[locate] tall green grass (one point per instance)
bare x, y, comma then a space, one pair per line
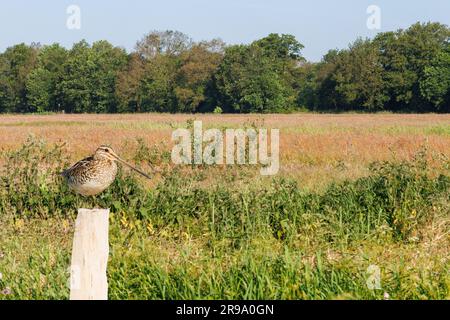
395, 196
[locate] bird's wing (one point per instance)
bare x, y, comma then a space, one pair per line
80, 165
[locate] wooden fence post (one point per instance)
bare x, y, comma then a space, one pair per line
90, 252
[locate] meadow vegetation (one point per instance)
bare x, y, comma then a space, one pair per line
190, 235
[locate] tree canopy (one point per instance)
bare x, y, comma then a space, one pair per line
403, 70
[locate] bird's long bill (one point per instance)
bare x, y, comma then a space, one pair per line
135, 169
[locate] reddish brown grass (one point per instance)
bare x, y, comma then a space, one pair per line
314, 148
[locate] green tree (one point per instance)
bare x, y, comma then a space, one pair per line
435, 84
306, 85
194, 76
16, 63
284, 47
405, 54
168, 42
75, 86
129, 83
39, 90
352, 79
158, 85
89, 80
325, 83
259, 77
168, 72
42, 94
287, 61
6, 103
108, 60
246, 81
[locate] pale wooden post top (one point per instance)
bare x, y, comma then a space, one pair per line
90, 252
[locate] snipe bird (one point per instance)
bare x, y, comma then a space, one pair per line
95, 174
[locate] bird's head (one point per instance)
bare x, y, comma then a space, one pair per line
108, 153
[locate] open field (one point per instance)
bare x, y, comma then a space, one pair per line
314, 149
311, 232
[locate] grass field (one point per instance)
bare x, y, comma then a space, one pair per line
353, 191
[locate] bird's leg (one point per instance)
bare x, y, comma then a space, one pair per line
81, 202
94, 201
78, 201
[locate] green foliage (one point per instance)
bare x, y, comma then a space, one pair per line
194, 76
88, 82
435, 85
218, 110
158, 85
405, 55
16, 63
129, 91
386, 73
259, 77
32, 187
248, 81
352, 79
175, 78
284, 46
181, 241
41, 85
403, 70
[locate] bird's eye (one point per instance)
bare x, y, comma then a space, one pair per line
107, 150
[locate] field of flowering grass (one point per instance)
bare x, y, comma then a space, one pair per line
314, 148
355, 193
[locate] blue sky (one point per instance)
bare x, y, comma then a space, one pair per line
318, 24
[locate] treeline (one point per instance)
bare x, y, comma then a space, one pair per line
405, 70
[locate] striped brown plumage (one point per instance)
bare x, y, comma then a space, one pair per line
96, 173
